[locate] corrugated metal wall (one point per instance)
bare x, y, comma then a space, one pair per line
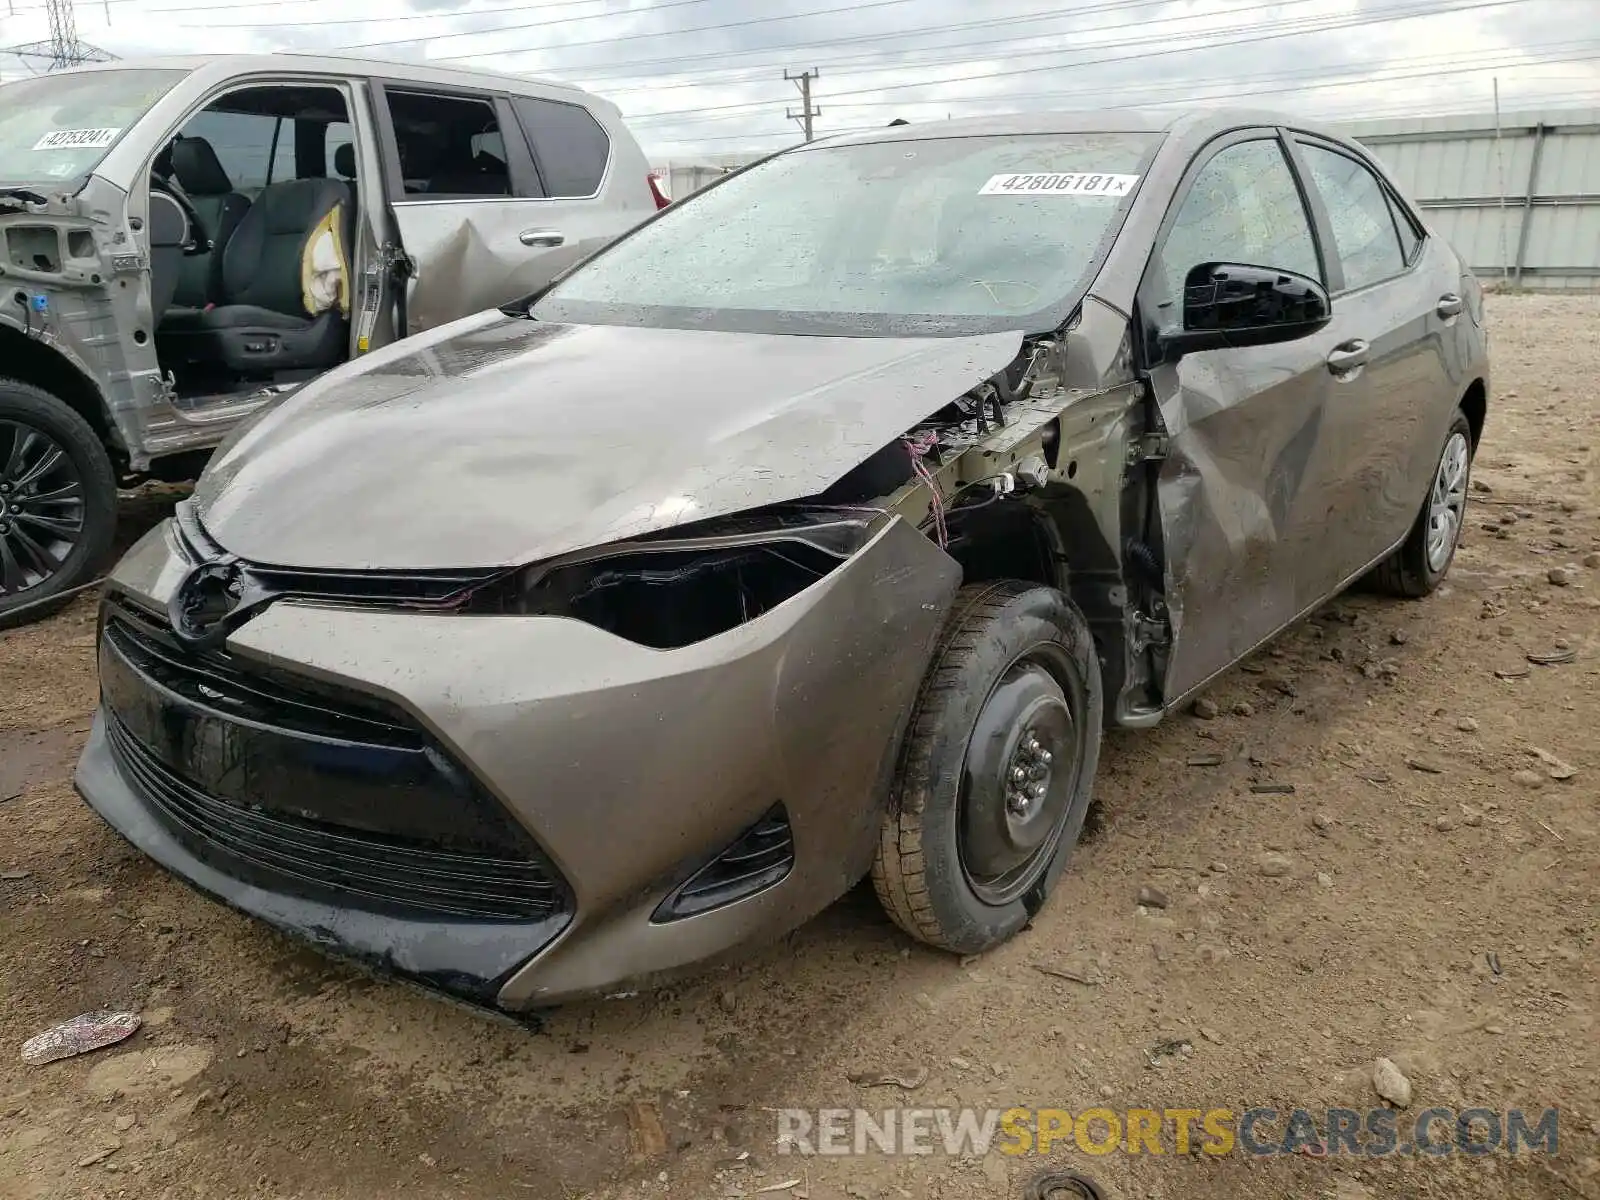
1523, 206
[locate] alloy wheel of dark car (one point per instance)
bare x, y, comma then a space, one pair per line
57, 500
996, 771
41, 506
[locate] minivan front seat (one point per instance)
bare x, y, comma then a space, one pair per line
261, 326
199, 171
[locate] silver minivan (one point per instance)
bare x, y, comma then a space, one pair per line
183, 239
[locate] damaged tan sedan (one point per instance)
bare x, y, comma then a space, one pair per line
814, 529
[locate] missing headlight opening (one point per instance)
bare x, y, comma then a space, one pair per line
672, 598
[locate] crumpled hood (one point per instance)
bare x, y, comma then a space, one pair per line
497, 441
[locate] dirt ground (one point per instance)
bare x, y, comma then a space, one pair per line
1435, 903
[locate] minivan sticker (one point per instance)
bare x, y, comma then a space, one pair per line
1059, 183
77, 139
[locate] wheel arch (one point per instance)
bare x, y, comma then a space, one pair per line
1054, 540
28, 360
1475, 404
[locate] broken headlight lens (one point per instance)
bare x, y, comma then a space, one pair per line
672, 591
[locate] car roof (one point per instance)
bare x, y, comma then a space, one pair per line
228, 64
1106, 120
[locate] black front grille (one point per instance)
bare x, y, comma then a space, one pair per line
308, 789
428, 589
372, 872
759, 858
215, 678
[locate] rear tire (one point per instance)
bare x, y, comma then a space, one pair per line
1011, 703
1424, 558
58, 502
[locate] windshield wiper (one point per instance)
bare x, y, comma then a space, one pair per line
25, 194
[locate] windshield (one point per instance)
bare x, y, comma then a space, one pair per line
57, 127
943, 236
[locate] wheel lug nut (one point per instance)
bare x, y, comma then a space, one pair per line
1037, 791
1045, 757
1018, 774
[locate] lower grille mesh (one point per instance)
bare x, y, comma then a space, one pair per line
368, 870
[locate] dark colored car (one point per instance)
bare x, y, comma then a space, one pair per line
813, 529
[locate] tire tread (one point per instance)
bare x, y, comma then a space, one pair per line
898, 869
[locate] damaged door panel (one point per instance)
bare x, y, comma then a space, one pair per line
1243, 426
478, 228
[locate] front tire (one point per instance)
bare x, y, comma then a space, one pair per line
1421, 562
997, 768
58, 502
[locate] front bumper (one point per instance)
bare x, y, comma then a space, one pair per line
621, 770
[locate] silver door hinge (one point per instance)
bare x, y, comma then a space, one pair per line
1149, 447
1149, 631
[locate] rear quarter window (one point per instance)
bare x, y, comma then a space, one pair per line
569, 145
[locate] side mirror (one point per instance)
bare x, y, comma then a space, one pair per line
1233, 304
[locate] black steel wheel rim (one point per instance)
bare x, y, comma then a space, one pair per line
42, 507
1022, 768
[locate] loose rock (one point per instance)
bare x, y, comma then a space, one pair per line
1445, 824
728, 1000
1274, 865
1467, 725
1219, 867
1205, 708
1243, 708
1426, 765
1592, 559
1559, 576
1321, 822
1152, 897
1324, 879
1554, 767
1399, 637
1527, 778
1390, 1084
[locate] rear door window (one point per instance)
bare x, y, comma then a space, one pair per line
569, 145
449, 145
1364, 230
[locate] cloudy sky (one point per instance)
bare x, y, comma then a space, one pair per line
707, 76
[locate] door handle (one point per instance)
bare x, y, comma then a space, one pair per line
1449, 305
541, 237
1347, 356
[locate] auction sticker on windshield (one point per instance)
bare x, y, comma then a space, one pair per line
1059, 183
77, 139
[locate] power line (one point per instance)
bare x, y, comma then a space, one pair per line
788, 48
455, 14
65, 48
1364, 112
626, 37
1353, 76
887, 60
1186, 48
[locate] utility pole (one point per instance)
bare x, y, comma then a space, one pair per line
806, 113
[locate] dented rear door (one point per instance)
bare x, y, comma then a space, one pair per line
474, 225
